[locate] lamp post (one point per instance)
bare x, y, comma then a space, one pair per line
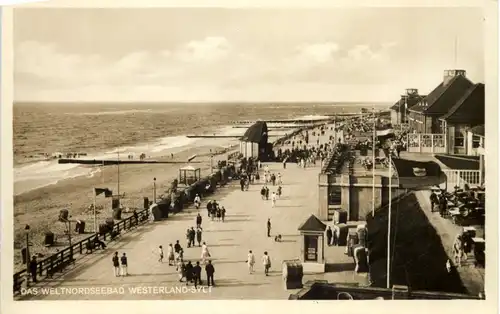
211, 164
27, 232
154, 190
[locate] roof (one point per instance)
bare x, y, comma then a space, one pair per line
312, 224
410, 102
189, 168
478, 130
459, 162
439, 101
255, 133
469, 109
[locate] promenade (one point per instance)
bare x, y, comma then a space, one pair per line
228, 243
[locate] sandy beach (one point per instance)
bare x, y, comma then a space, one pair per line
40, 208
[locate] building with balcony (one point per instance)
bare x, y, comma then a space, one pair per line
424, 116
467, 113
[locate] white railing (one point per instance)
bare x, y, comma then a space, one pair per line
426, 143
462, 177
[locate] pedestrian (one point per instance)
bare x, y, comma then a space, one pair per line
189, 273
273, 199
269, 227
223, 213
205, 254
160, 252
263, 192
279, 191
177, 247
198, 221
279, 179
219, 214
116, 264
197, 274
210, 270
124, 265
197, 201
250, 261
171, 257
136, 217
188, 237
181, 270
335, 237
273, 179
242, 183
33, 265
267, 193
284, 163
266, 261
434, 200
198, 236
329, 236
209, 208
192, 236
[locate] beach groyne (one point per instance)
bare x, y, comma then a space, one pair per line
108, 162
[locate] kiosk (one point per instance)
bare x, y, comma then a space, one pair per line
189, 175
312, 245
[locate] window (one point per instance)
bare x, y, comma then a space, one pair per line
459, 138
334, 195
476, 141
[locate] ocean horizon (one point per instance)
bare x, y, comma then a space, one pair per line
104, 130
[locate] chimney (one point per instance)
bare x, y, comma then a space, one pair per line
450, 74
411, 92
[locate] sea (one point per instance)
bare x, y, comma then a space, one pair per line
104, 131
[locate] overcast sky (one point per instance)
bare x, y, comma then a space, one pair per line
173, 54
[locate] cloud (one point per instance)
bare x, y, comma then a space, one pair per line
206, 67
320, 52
209, 49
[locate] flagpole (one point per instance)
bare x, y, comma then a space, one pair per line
373, 164
95, 214
118, 170
389, 224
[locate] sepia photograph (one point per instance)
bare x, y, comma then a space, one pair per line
223, 153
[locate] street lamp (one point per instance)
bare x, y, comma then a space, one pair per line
27, 232
154, 190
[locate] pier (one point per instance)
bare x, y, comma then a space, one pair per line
109, 162
212, 136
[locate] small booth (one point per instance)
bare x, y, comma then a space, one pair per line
189, 175
313, 245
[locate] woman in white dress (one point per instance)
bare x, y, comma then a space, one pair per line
205, 254
170, 254
250, 261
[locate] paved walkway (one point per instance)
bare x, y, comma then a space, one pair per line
472, 277
228, 242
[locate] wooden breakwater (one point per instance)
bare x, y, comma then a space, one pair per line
108, 162
212, 136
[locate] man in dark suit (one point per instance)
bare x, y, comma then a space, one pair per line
198, 221
210, 273
33, 264
189, 273
197, 274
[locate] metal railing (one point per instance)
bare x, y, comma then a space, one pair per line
60, 260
